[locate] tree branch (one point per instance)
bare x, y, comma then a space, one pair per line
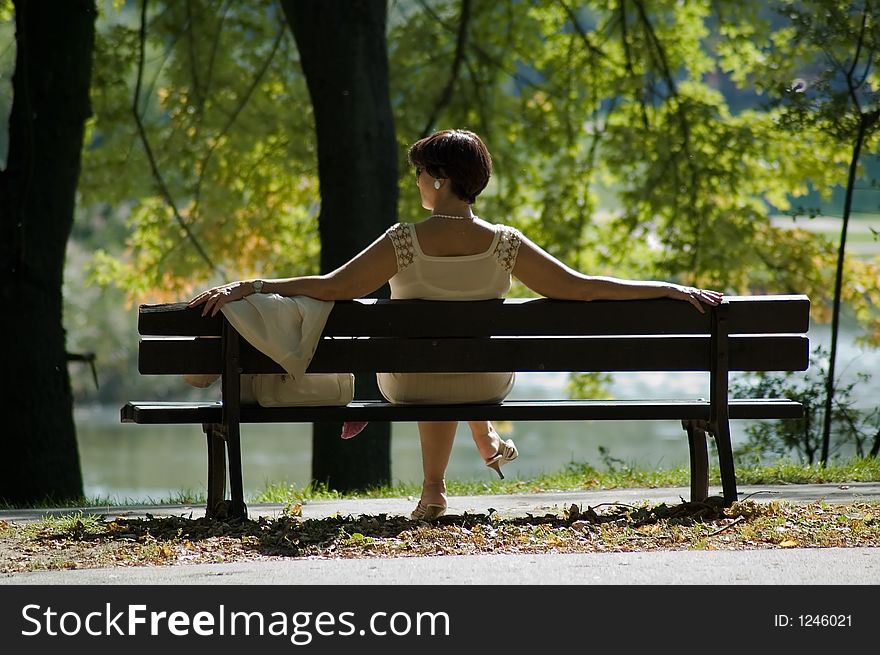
193, 63
460, 45
215, 45
624, 37
157, 176
489, 58
235, 113
478, 87
580, 30
867, 70
682, 119
852, 69
855, 431
861, 40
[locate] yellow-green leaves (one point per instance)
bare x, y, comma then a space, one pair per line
221, 168
633, 138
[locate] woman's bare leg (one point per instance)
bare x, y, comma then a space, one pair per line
485, 437
494, 451
436, 439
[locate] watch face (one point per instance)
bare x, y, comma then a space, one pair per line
258, 285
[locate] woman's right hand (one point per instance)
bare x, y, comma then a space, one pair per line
695, 296
214, 298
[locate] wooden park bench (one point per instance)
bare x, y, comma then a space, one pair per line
744, 333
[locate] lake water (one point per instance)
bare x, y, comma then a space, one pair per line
142, 462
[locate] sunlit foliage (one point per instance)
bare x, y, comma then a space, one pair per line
636, 137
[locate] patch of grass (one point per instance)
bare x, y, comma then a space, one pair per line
51, 502
574, 477
75, 523
854, 470
286, 492
581, 477
182, 497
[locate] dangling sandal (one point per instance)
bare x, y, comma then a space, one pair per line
507, 452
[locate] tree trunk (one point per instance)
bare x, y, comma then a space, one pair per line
838, 287
343, 55
54, 42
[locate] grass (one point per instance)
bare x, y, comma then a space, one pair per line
182, 497
575, 477
854, 470
583, 477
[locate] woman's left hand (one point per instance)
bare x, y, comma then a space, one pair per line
695, 296
214, 299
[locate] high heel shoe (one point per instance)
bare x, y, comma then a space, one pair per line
507, 452
427, 512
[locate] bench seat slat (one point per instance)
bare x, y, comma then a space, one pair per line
514, 410
747, 353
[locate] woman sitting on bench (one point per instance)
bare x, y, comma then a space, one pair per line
452, 255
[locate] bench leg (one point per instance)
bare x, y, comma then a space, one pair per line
725, 461
233, 447
696, 432
216, 505
230, 391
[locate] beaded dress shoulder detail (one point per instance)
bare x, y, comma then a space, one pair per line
401, 237
507, 247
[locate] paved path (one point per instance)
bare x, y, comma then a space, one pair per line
851, 566
802, 566
506, 505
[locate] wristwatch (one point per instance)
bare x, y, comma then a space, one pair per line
258, 286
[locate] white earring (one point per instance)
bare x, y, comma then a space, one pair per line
437, 184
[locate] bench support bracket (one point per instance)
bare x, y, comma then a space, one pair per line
231, 393
719, 409
216, 436
699, 454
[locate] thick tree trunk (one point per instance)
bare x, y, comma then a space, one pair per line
37, 193
343, 54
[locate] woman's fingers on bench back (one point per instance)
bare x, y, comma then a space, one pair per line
213, 299
697, 297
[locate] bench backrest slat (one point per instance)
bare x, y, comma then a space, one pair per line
691, 353
503, 335
514, 317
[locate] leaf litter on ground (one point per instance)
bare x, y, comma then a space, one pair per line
94, 541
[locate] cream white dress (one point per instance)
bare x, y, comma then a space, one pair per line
482, 276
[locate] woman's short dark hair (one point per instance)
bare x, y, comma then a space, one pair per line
456, 155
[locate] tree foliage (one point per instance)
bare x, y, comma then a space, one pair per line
856, 431
203, 128
836, 44
820, 72
636, 138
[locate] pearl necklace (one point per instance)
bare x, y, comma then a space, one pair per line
458, 218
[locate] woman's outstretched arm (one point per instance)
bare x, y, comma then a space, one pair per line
543, 273
361, 275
